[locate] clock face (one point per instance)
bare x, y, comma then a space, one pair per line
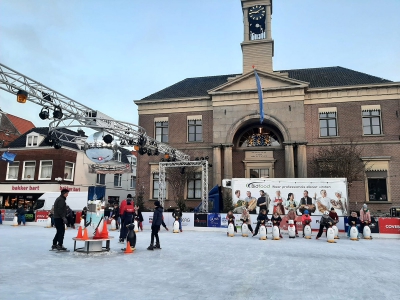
257, 12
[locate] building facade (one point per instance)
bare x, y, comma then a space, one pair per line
305, 110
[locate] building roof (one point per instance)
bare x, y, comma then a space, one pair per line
20, 142
20, 124
317, 77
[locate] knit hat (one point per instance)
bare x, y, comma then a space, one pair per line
306, 212
332, 208
365, 206
129, 196
157, 203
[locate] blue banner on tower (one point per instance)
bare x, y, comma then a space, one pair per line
260, 96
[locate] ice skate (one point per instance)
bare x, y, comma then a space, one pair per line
157, 246
151, 247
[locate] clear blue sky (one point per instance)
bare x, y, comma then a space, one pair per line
107, 53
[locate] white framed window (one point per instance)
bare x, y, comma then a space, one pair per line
12, 170
161, 129
371, 119
195, 128
155, 185
28, 172
194, 187
101, 179
117, 180
132, 182
46, 169
327, 122
133, 160
69, 171
32, 140
119, 156
377, 179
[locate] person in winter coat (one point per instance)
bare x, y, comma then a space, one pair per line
353, 220
334, 215
276, 221
305, 219
126, 212
60, 211
292, 216
325, 221
115, 215
51, 215
365, 217
155, 225
139, 217
231, 220
177, 214
83, 214
262, 219
245, 218
70, 218
21, 214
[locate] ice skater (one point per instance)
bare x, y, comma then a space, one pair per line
115, 215
139, 217
245, 218
126, 214
365, 218
305, 219
60, 220
292, 216
155, 225
334, 215
326, 221
177, 214
262, 219
276, 221
353, 220
20, 213
231, 220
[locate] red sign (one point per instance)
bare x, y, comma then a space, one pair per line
389, 225
2, 211
41, 215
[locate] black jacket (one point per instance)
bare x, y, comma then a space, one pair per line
261, 217
157, 216
115, 213
60, 207
138, 216
177, 214
351, 219
21, 211
326, 220
276, 221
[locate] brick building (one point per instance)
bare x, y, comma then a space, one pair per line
305, 109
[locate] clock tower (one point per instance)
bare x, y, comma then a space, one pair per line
258, 45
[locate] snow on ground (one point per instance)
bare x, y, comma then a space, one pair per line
198, 265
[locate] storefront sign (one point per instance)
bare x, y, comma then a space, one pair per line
389, 225
70, 188
25, 188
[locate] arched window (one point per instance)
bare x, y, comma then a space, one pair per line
258, 137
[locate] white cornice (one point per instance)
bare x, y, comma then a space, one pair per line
138, 102
352, 87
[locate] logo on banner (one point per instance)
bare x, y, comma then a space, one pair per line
214, 220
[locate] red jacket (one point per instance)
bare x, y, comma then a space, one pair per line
304, 218
334, 215
126, 208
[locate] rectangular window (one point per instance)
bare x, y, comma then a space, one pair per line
118, 180
101, 179
119, 156
194, 187
29, 170
371, 121
12, 170
377, 186
155, 185
161, 131
69, 170
259, 173
327, 124
32, 141
46, 169
133, 182
195, 131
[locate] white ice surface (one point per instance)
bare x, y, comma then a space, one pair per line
198, 265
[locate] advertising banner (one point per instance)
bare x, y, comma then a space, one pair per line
200, 220
389, 225
41, 215
314, 194
3, 212
9, 214
214, 220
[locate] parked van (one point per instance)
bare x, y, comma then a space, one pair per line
75, 200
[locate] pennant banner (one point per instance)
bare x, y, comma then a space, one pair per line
260, 96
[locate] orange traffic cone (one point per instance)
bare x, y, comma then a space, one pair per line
104, 232
97, 235
128, 248
85, 235
79, 236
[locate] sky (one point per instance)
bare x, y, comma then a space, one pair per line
107, 53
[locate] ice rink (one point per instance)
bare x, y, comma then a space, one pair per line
198, 265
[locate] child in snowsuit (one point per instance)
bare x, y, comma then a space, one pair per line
292, 216
305, 219
262, 219
20, 214
231, 220
245, 218
326, 221
334, 215
115, 215
177, 214
365, 217
276, 221
139, 217
353, 220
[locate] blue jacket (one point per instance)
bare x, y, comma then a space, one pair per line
157, 216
